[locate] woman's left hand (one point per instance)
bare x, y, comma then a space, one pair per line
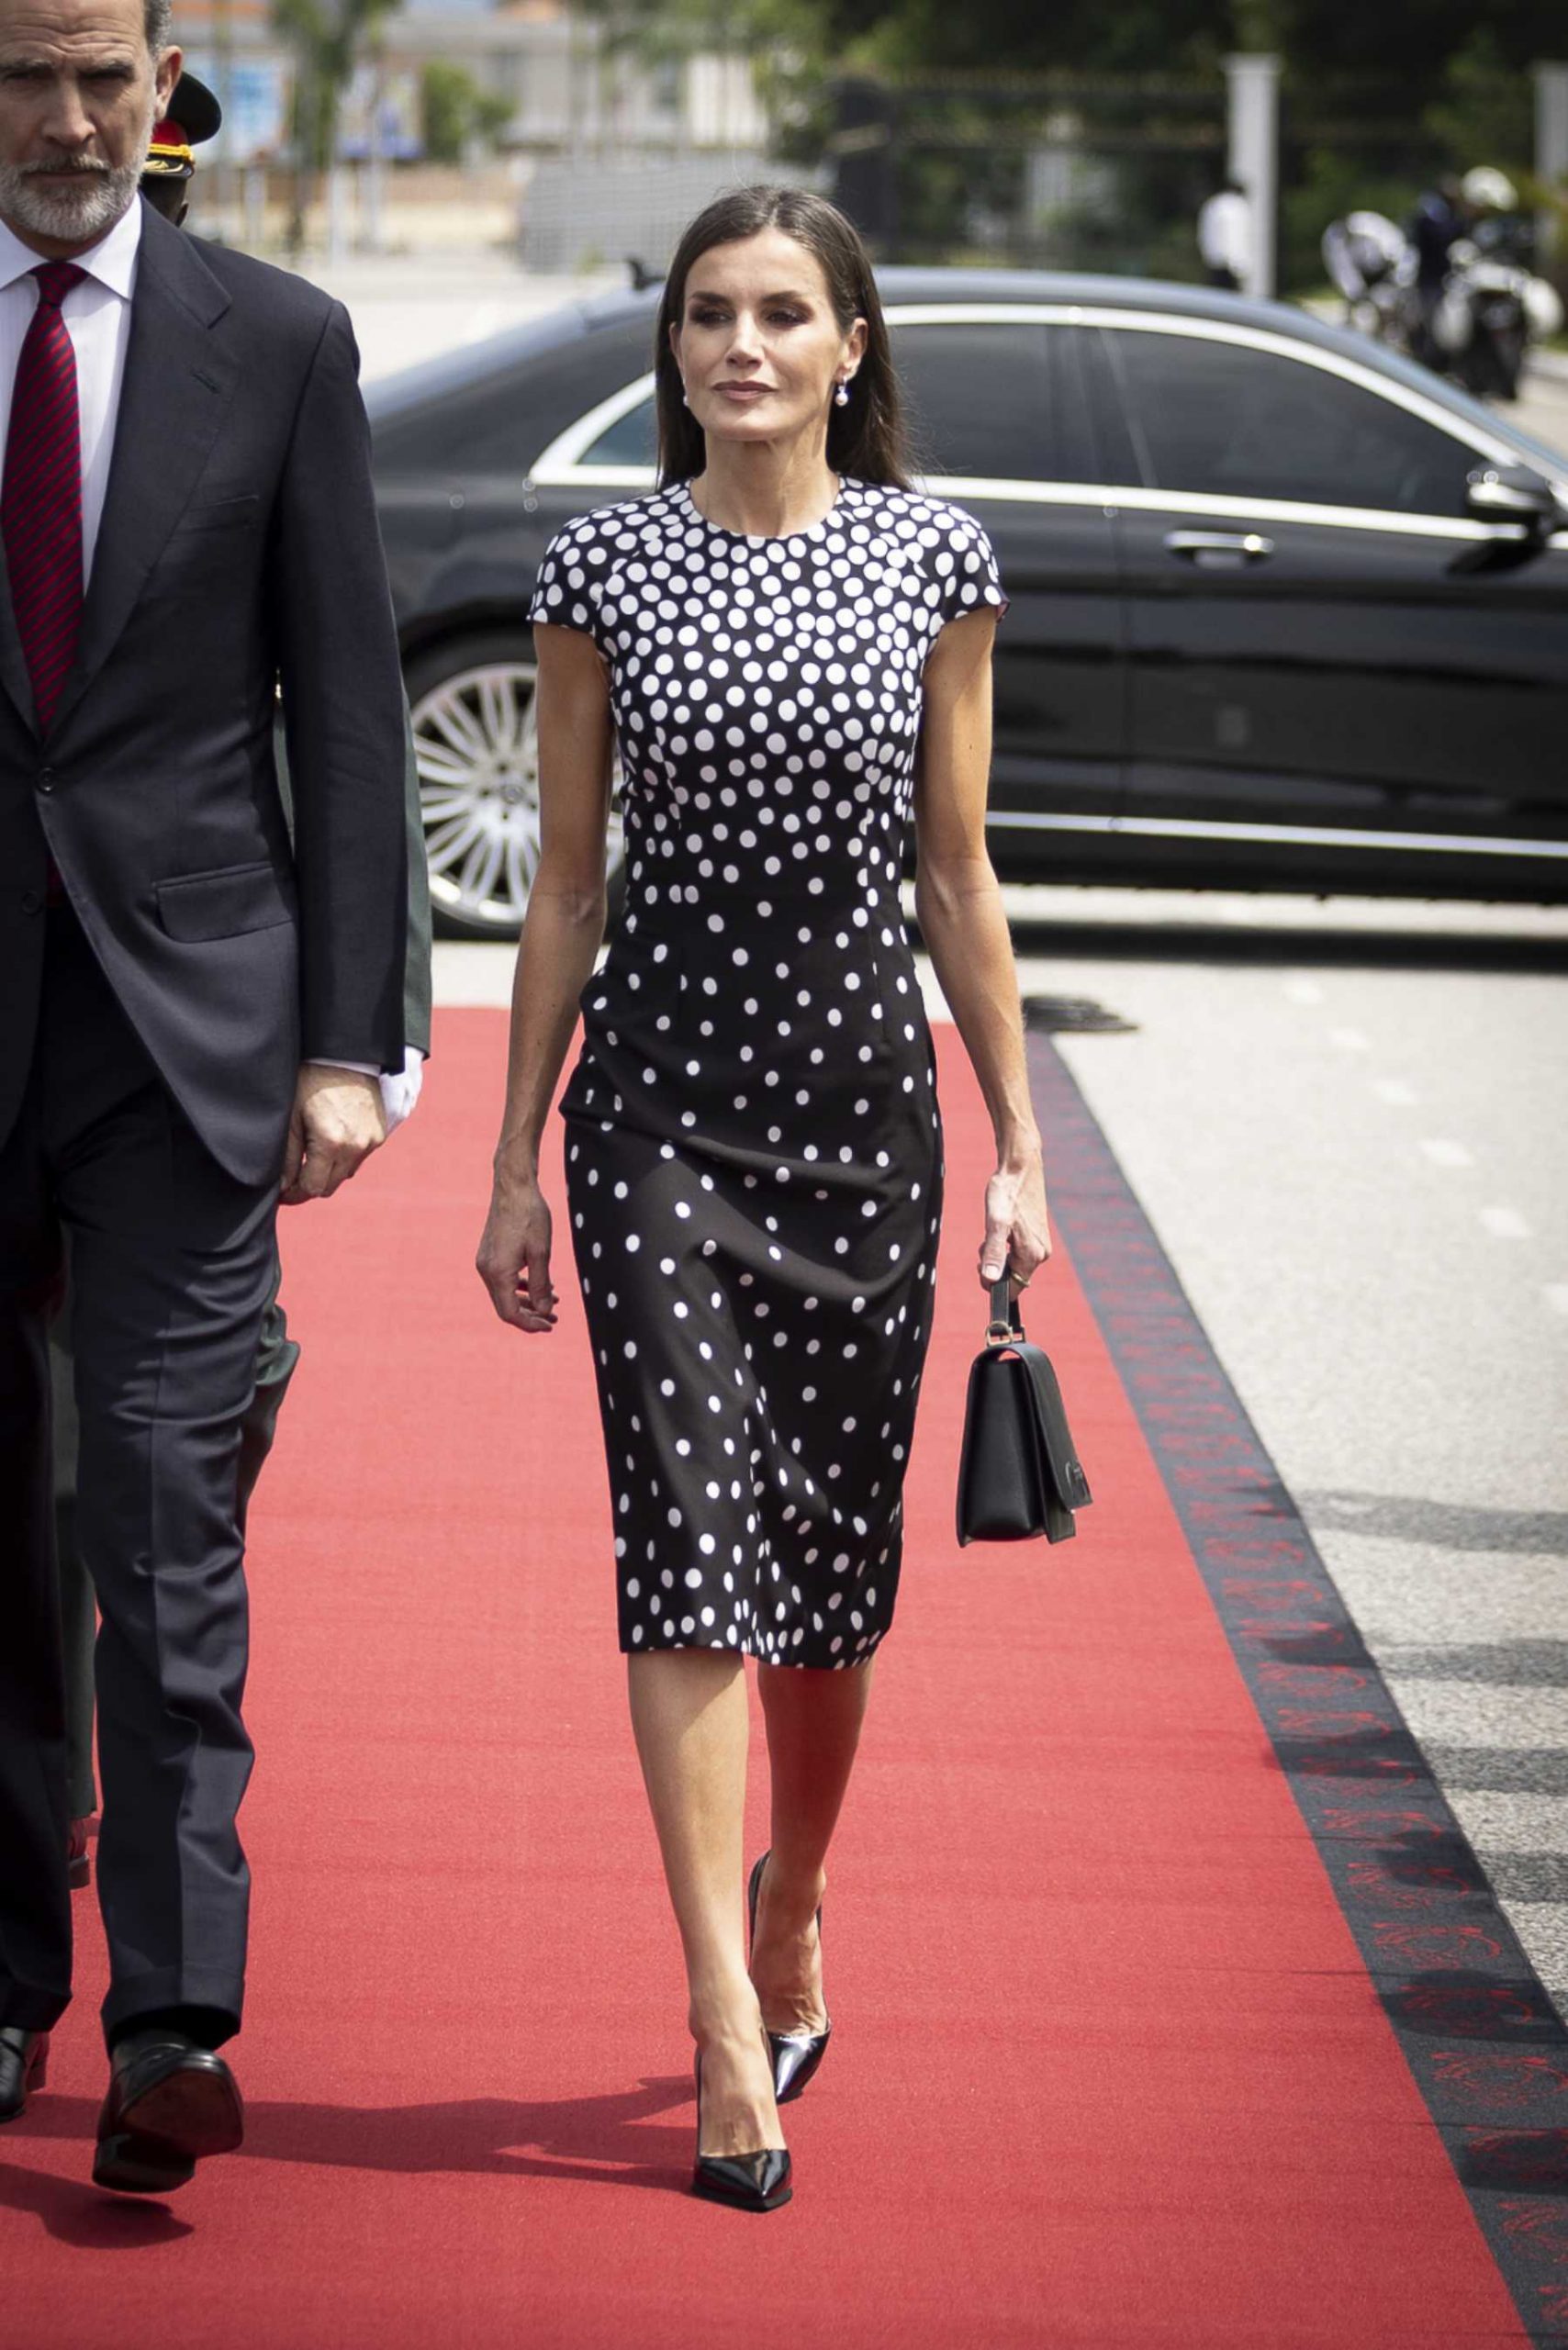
1017, 1226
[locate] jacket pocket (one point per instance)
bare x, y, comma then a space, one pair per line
226, 904
223, 513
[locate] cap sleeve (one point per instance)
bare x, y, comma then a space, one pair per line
968, 576
565, 593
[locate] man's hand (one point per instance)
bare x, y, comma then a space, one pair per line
337, 1122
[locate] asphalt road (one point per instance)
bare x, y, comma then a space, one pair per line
1346, 1122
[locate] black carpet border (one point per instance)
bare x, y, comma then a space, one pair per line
1487, 2048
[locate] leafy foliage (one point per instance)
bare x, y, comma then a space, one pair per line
325, 36
458, 113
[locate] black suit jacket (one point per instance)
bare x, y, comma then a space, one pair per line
239, 551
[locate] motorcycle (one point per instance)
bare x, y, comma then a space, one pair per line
1485, 317
1370, 262
1488, 311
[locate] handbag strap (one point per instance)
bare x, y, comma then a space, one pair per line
1006, 1321
1005, 1329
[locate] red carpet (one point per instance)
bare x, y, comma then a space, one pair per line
1108, 2072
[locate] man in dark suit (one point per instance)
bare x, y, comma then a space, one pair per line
194, 118
194, 1008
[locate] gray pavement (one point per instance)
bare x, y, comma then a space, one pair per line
1542, 405
408, 307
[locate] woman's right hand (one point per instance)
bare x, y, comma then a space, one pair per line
514, 1253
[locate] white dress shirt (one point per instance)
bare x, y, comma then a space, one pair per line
97, 319
1225, 232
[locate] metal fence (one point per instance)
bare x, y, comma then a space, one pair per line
1056, 170
1029, 169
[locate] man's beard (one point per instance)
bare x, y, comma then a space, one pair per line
76, 215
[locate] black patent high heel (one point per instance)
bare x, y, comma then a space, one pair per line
796, 2054
758, 2182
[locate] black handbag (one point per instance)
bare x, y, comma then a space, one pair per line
1019, 1474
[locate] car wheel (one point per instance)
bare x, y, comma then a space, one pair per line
471, 703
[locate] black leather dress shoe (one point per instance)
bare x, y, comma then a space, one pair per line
24, 2066
795, 2054
170, 2102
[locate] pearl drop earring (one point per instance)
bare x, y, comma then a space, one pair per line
684, 401
841, 397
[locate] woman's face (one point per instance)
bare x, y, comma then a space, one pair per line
757, 344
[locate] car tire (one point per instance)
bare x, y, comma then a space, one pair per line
471, 705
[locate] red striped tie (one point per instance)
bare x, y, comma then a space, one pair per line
40, 494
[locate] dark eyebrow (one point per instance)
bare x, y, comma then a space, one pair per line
787, 295
13, 65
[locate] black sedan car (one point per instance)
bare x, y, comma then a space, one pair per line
1288, 611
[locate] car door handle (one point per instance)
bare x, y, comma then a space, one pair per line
1245, 546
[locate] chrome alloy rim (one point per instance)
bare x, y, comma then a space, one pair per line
477, 745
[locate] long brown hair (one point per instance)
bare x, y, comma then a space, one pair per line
865, 440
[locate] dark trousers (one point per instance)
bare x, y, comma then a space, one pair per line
78, 1611
172, 1263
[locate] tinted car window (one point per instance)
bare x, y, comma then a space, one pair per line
1222, 419
632, 440
976, 397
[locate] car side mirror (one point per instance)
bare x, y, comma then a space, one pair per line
1513, 494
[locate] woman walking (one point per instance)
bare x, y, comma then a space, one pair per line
792, 650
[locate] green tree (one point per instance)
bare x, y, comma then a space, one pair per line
1485, 114
325, 36
456, 112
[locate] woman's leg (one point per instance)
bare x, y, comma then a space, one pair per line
689, 1717
813, 1729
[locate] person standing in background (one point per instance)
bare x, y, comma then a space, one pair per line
194, 118
1438, 222
1225, 236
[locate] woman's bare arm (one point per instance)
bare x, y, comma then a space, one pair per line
958, 907
560, 939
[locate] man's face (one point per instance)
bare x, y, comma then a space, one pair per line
80, 91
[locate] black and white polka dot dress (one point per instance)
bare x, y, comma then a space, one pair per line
753, 1157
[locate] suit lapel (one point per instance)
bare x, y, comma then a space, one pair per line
175, 391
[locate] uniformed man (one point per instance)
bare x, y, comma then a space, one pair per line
194, 116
